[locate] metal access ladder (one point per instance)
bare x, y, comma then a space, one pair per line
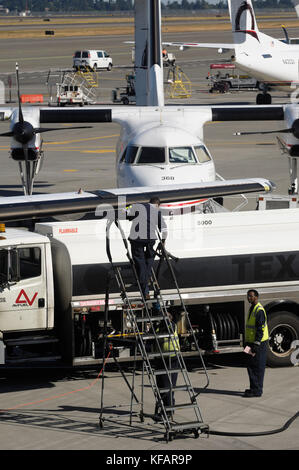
86, 80
143, 315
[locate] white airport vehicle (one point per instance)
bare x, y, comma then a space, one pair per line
53, 280
272, 61
92, 60
69, 95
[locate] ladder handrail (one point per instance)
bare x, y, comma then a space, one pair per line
166, 256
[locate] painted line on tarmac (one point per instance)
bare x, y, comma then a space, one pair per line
211, 143
98, 151
80, 150
65, 142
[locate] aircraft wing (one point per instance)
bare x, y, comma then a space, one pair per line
125, 113
210, 45
46, 205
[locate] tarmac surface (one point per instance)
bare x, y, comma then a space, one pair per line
59, 410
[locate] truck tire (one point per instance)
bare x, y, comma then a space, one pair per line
283, 330
109, 67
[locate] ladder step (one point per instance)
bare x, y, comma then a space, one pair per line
156, 355
147, 319
191, 425
164, 371
177, 388
183, 405
158, 336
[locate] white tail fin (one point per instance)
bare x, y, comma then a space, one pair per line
148, 53
296, 5
246, 34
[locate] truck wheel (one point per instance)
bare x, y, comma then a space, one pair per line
283, 330
109, 67
226, 87
125, 101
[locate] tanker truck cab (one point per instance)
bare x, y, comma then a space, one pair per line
26, 285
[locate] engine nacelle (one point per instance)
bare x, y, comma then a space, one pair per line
18, 154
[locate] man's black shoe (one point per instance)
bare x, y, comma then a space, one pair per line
251, 394
157, 418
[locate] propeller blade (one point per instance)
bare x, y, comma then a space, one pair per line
7, 134
40, 130
21, 118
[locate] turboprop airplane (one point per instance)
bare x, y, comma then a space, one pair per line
158, 144
272, 61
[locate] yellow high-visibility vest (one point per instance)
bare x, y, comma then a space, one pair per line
170, 343
250, 328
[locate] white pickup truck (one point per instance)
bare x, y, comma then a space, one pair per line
224, 79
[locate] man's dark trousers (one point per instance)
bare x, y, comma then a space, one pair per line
256, 368
143, 255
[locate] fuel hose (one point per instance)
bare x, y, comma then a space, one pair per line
262, 433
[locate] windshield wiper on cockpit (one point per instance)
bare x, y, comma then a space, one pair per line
152, 164
181, 164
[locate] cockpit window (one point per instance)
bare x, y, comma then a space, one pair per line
151, 155
129, 154
181, 155
202, 154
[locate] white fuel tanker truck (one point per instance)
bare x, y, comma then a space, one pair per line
53, 282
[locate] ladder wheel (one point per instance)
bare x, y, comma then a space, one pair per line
168, 436
101, 424
196, 434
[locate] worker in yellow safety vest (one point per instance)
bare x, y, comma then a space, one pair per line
168, 344
256, 340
